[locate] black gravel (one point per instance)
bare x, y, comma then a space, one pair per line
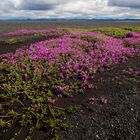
119, 119
22, 42
18, 25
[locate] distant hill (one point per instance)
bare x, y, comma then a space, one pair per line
72, 19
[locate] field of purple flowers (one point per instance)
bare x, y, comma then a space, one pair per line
34, 77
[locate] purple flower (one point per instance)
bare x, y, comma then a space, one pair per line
34, 106
104, 101
70, 61
92, 99
22, 65
52, 101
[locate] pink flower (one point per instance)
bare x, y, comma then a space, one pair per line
60, 89
34, 106
26, 75
104, 101
73, 58
39, 70
22, 65
92, 99
53, 101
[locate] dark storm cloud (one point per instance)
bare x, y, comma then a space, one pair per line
40, 4
125, 3
36, 6
32, 5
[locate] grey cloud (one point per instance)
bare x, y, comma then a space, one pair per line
39, 4
70, 9
36, 6
125, 3
6, 5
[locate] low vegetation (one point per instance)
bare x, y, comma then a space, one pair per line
33, 79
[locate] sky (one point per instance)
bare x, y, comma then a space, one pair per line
70, 9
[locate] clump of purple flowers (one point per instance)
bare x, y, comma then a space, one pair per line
133, 35
74, 58
132, 71
52, 32
65, 64
102, 100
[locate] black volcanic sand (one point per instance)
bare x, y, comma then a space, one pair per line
22, 42
18, 25
119, 119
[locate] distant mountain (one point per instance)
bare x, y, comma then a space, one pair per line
70, 19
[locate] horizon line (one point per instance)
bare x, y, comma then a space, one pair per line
57, 19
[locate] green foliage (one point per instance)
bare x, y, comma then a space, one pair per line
56, 137
73, 109
28, 91
4, 124
115, 32
133, 29
38, 34
33, 97
13, 41
93, 39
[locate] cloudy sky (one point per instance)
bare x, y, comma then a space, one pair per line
69, 9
